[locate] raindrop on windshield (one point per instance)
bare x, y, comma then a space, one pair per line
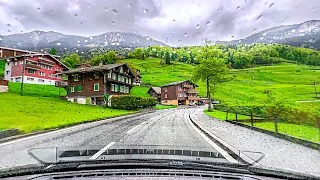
9, 30
271, 5
293, 30
198, 26
91, 38
232, 36
179, 41
185, 34
219, 10
238, 7
264, 34
115, 12
254, 29
58, 44
16, 19
208, 23
39, 9
76, 15
85, 40
145, 11
259, 17
106, 9
148, 38
173, 20
118, 34
112, 23
129, 5
9, 25
51, 11
88, 5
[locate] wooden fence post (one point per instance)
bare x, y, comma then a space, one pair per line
227, 115
276, 124
251, 119
318, 119
237, 116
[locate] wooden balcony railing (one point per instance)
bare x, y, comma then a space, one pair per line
193, 92
188, 86
193, 98
32, 66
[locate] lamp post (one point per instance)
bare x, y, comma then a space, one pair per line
22, 85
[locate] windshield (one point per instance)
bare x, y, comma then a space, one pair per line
215, 81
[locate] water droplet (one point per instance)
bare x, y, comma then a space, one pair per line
51, 11
199, 50
148, 38
198, 26
179, 41
239, 41
185, 34
78, 44
115, 12
21, 31
78, 41
9, 25
16, 19
76, 15
264, 34
112, 23
238, 7
232, 36
129, 5
254, 29
271, 5
9, 30
145, 11
173, 20
106, 9
58, 44
85, 40
81, 23
91, 38
293, 30
88, 5
259, 17
208, 23
118, 34
39, 9
65, 48
219, 10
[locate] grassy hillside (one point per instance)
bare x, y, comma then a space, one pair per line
37, 113
249, 85
37, 90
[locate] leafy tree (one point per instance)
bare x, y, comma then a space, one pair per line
210, 70
167, 58
138, 53
53, 51
112, 57
72, 60
130, 55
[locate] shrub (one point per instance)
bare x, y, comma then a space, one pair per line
132, 102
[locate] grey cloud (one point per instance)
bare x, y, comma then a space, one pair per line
84, 17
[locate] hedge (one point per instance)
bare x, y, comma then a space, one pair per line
244, 110
132, 102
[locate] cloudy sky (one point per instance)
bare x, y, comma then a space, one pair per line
172, 21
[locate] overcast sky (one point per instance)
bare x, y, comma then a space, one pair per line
169, 21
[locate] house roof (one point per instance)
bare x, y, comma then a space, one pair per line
179, 82
156, 89
39, 54
20, 50
96, 68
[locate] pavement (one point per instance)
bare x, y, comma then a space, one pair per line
168, 128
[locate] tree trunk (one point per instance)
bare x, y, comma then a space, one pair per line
208, 95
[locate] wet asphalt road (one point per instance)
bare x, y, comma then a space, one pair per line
166, 128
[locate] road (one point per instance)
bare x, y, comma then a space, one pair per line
168, 128
171, 129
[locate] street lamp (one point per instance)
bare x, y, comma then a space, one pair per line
22, 85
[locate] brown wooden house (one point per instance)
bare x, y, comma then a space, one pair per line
156, 93
179, 93
88, 85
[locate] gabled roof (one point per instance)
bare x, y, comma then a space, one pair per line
20, 50
156, 89
179, 82
97, 68
39, 54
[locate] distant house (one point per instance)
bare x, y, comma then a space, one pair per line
137, 80
179, 93
156, 93
34, 69
6, 52
88, 85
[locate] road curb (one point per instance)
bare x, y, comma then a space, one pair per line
303, 142
98, 121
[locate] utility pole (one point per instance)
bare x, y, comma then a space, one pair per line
22, 80
315, 88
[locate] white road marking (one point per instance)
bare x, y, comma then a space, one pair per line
131, 130
215, 146
96, 155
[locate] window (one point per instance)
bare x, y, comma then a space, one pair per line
76, 77
121, 69
96, 87
121, 89
117, 77
42, 73
129, 80
15, 63
30, 79
109, 74
58, 69
7, 72
50, 75
112, 87
40, 81
49, 67
116, 87
114, 77
72, 88
42, 66
79, 88
165, 95
21, 62
96, 75
30, 71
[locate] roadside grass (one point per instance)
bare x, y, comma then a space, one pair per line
300, 131
140, 91
159, 107
222, 115
37, 90
30, 114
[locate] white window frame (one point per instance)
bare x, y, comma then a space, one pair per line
40, 73
72, 88
94, 86
15, 63
114, 76
129, 80
121, 69
28, 71
112, 87
116, 87
7, 72
21, 61
109, 74
76, 77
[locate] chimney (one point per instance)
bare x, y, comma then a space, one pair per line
100, 63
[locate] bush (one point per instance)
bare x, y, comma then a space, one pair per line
244, 110
132, 102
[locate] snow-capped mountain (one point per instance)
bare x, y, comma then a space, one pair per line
306, 34
37, 40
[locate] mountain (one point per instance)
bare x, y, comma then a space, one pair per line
37, 40
306, 34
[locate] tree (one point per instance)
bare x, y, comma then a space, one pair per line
53, 51
112, 57
72, 60
211, 70
167, 58
138, 53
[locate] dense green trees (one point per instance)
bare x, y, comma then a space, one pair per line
53, 51
72, 60
107, 58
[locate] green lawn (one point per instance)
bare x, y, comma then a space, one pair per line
222, 115
159, 107
37, 90
140, 91
29, 113
299, 131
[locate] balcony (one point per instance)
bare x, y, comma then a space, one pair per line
188, 86
193, 92
32, 66
57, 71
193, 98
46, 61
